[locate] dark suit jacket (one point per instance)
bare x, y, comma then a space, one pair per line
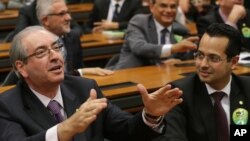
74, 59
214, 17
141, 42
24, 117
27, 17
101, 8
194, 120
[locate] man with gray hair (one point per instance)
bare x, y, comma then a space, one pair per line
55, 17
47, 105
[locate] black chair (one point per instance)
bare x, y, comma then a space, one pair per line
10, 79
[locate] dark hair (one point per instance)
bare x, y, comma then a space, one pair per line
234, 39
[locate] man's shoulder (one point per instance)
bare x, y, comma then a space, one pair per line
186, 82
11, 95
77, 80
211, 17
179, 29
101, 2
140, 19
72, 37
28, 8
242, 80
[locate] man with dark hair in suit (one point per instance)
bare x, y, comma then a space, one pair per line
47, 105
103, 13
231, 12
153, 38
195, 119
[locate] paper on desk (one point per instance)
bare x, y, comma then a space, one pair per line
243, 61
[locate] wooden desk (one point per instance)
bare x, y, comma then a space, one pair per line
8, 19
94, 46
97, 46
121, 86
4, 57
121, 89
79, 12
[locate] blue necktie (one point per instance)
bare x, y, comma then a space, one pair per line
115, 15
163, 36
220, 117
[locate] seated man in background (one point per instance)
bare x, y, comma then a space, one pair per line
27, 17
152, 38
231, 12
54, 16
214, 98
112, 14
47, 105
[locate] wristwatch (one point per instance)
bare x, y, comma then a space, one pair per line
153, 119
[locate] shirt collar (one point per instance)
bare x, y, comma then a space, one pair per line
159, 27
226, 89
120, 2
45, 100
223, 16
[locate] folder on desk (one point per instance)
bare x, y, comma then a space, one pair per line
244, 58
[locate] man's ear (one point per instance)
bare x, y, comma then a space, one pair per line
20, 66
234, 61
44, 21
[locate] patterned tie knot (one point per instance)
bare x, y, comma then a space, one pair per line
164, 31
217, 96
117, 6
54, 107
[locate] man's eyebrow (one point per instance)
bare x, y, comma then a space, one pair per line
54, 42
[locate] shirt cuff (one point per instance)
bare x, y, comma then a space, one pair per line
80, 72
51, 134
166, 50
156, 127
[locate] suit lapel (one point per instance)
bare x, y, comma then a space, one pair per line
71, 103
152, 31
238, 99
36, 110
105, 8
172, 39
205, 108
124, 10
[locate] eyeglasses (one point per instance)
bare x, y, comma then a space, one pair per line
43, 50
211, 58
61, 14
